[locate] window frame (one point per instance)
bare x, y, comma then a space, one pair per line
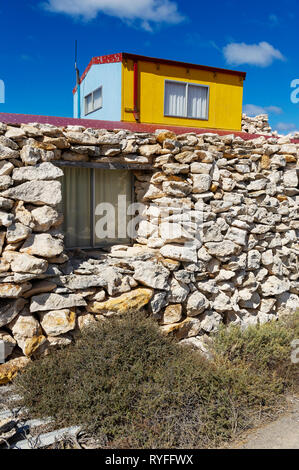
93, 245
187, 84
92, 95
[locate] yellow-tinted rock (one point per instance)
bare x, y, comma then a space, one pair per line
9, 370
282, 198
165, 134
10, 290
265, 162
86, 320
290, 158
59, 142
185, 329
172, 314
58, 322
31, 345
25, 326
133, 300
171, 264
44, 145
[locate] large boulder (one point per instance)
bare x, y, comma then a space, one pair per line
201, 183
52, 301
43, 245
210, 321
24, 263
173, 232
9, 370
237, 235
30, 155
196, 304
17, 232
107, 276
27, 332
6, 152
149, 150
222, 303
9, 290
180, 253
274, 286
36, 192
172, 314
178, 292
222, 249
185, 329
152, 274
134, 300
58, 322
290, 179
42, 171
44, 218
75, 137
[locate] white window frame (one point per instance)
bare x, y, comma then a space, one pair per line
187, 84
93, 245
93, 107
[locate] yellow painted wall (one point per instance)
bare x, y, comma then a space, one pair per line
226, 95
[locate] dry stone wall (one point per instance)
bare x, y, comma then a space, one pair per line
260, 125
257, 125
218, 242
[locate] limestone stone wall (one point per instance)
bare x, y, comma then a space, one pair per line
257, 125
218, 242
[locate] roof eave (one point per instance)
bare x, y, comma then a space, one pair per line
127, 55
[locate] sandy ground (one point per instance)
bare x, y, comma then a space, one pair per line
282, 433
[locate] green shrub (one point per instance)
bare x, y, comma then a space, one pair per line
133, 388
264, 347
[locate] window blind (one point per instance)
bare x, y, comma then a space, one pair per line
186, 100
175, 99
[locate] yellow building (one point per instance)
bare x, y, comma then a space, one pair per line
132, 88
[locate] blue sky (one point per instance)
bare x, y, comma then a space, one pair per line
37, 47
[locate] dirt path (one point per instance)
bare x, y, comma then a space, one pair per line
282, 433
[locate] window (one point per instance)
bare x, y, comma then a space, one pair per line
93, 101
86, 194
186, 100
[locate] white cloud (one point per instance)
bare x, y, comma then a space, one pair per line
262, 54
145, 11
286, 126
274, 109
254, 110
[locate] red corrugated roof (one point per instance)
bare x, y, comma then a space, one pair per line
119, 57
111, 125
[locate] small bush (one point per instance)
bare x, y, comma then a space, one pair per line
266, 348
133, 388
